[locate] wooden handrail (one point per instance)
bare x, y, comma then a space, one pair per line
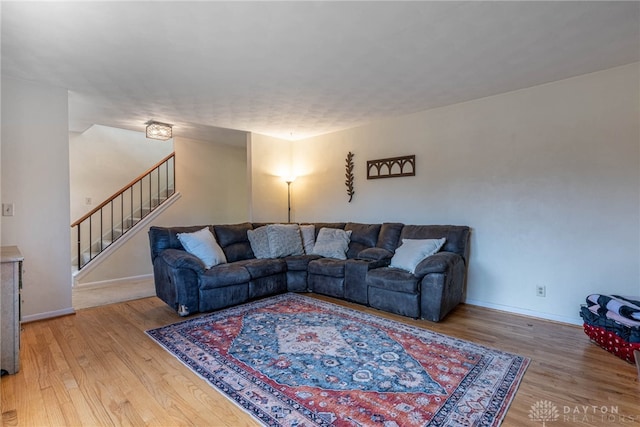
123, 189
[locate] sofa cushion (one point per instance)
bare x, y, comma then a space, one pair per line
203, 245
457, 236
224, 275
389, 235
363, 236
259, 241
299, 262
393, 279
412, 251
332, 243
375, 254
284, 240
264, 267
234, 241
327, 267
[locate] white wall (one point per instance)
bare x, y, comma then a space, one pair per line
547, 177
35, 177
211, 178
270, 162
105, 159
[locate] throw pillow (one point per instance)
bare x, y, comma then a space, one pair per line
259, 241
284, 240
203, 245
308, 233
412, 251
332, 243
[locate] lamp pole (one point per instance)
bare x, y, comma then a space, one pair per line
289, 201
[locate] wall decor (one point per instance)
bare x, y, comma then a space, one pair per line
391, 167
349, 175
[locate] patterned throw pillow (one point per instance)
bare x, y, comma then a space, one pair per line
332, 243
203, 245
259, 240
412, 251
284, 240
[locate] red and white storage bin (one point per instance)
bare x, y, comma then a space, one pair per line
613, 322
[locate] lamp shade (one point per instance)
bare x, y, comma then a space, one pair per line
157, 130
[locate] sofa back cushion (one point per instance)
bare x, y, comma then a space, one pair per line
234, 241
363, 236
457, 236
389, 238
161, 238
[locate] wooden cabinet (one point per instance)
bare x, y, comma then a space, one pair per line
10, 310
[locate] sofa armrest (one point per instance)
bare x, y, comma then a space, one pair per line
176, 278
177, 258
442, 291
375, 254
440, 262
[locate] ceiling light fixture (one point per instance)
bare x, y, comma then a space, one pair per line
157, 130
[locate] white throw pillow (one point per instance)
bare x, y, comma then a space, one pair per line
308, 233
284, 240
412, 251
203, 245
259, 241
332, 243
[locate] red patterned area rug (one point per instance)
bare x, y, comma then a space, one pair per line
292, 360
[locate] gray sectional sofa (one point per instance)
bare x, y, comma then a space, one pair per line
366, 275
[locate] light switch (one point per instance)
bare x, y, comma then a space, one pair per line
7, 209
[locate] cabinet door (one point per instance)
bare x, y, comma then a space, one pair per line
10, 312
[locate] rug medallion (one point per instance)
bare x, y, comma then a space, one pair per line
293, 360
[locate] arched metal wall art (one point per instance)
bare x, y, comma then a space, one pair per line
391, 167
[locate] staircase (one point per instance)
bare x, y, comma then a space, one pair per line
120, 213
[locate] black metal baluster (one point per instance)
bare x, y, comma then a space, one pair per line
80, 265
90, 236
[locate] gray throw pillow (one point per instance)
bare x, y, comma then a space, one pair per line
284, 240
332, 243
259, 240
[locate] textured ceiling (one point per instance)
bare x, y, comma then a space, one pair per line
298, 69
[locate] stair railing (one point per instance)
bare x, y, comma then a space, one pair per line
112, 218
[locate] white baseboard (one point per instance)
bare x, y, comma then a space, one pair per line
48, 315
111, 282
525, 312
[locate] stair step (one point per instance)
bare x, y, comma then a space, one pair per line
130, 222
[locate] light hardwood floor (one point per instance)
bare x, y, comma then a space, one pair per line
98, 367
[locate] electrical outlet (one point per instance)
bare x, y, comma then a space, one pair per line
7, 209
541, 291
